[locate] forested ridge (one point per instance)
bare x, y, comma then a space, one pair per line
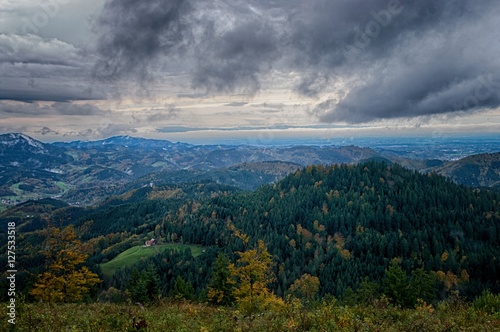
369, 229
345, 224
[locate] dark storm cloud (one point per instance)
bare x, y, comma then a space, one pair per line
134, 34
377, 59
393, 59
139, 38
428, 58
232, 60
344, 39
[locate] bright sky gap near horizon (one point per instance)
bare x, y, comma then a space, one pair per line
252, 71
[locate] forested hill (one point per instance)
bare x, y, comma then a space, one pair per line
345, 224
480, 170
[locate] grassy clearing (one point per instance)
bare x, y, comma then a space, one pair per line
63, 186
16, 190
74, 155
133, 255
21, 195
160, 164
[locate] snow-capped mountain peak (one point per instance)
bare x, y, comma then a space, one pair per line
23, 142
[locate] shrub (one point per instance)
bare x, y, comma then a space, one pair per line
488, 302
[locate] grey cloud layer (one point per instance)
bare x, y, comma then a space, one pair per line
58, 108
380, 58
154, 115
33, 68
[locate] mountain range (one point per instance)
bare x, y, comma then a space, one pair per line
86, 172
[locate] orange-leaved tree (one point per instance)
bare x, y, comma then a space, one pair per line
66, 279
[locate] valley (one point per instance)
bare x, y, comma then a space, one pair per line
84, 173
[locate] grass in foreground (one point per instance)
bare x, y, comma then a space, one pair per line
168, 316
133, 255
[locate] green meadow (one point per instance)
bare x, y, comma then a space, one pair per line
133, 255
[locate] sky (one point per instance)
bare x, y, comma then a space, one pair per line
252, 71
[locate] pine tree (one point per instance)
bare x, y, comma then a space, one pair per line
423, 285
182, 290
395, 284
220, 288
144, 286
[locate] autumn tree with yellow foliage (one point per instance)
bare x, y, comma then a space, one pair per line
305, 288
66, 279
251, 275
